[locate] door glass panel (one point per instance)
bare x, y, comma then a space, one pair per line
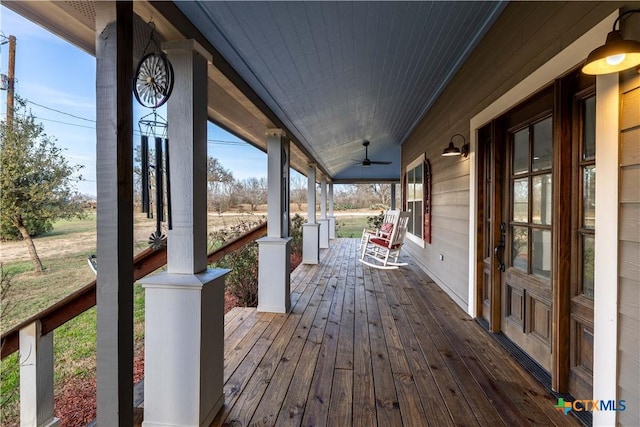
542, 145
521, 151
589, 197
521, 200
519, 248
589, 129
542, 199
541, 256
588, 255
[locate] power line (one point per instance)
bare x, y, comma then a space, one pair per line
61, 112
135, 131
64, 123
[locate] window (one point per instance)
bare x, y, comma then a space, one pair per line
587, 197
531, 198
414, 196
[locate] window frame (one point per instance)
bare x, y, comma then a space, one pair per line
419, 161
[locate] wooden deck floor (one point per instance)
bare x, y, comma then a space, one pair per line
368, 347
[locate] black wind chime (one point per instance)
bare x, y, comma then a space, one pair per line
152, 86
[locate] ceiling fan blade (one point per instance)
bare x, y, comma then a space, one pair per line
374, 162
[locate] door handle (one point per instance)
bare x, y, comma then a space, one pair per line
499, 250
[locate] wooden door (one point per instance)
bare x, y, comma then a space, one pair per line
526, 281
491, 244
583, 246
536, 200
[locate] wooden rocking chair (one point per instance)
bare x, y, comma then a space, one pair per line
380, 251
390, 218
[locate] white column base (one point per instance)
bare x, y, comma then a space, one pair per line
332, 227
274, 278
324, 233
184, 348
310, 243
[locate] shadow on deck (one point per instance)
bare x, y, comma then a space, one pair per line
372, 347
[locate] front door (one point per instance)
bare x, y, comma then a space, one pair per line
526, 282
536, 180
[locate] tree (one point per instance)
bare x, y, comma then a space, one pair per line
254, 192
219, 185
36, 179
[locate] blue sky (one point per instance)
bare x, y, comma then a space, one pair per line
59, 81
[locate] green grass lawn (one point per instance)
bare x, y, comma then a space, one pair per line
350, 226
75, 341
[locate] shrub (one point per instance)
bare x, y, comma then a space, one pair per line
242, 281
295, 232
34, 226
376, 220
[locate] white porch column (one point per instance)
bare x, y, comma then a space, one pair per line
36, 377
393, 196
274, 259
114, 170
323, 221
332, 218
311, 230
184, 307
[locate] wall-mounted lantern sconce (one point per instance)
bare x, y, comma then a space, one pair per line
452, 150
617, 54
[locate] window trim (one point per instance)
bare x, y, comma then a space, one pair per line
418, 161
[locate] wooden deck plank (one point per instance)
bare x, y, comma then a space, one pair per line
247, 373
285, 360
344, 356
480, 405
435, 410
317, 408
369, 347
364, 405
341, 405
452, 394
246, 388
232, 314
295, 402
290, 410
234, 356
387, 405
498, 364
411, 409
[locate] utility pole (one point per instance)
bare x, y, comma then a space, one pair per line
11, 80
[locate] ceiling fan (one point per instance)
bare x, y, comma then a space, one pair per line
366, 162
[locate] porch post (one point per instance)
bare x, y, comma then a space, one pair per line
393, 196
311, 230
274, 256
323, 221
114, 170
36, 377
184, 306
332, 218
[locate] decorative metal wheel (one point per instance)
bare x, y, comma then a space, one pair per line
157, 240
153, 80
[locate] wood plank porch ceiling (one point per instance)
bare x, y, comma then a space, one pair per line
370, 347
337, 73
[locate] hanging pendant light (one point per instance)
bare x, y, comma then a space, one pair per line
617, 54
